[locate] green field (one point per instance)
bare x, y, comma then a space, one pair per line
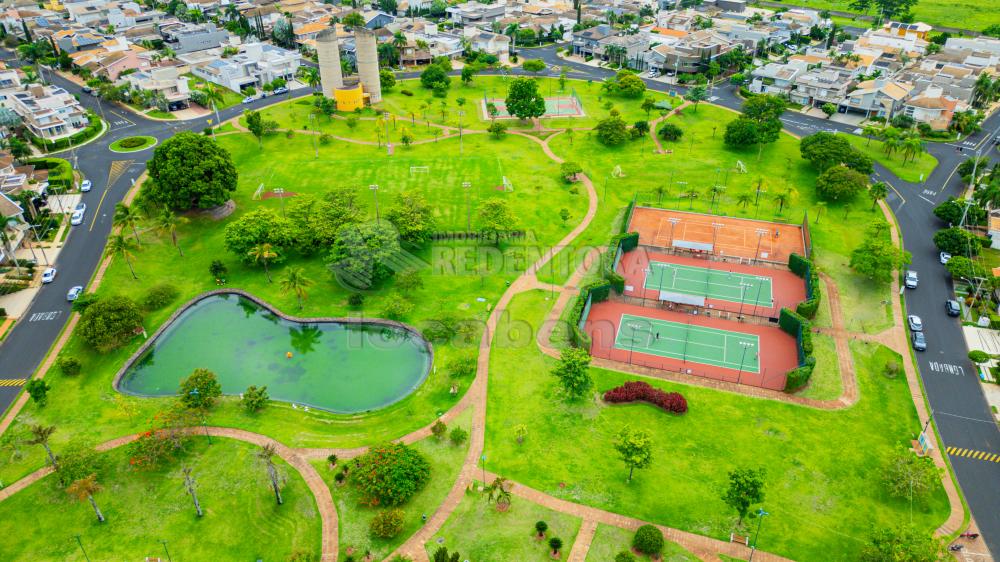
609, 541
710, 283
963, 15
696, 344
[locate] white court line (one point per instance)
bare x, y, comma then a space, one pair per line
692, 358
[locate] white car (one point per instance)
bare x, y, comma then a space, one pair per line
910, 280
76, 219
916, 324
249, 99
74, 293
86, 185
48, 275
945, 257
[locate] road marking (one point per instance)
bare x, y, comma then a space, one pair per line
925, 199
930, 192
11, 382
946, 368
973, 454
118, 167
44, 316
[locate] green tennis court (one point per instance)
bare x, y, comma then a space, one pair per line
698, 344
752, 290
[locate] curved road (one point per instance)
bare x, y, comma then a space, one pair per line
959, 408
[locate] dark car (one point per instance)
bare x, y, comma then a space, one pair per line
952, 307
919, 341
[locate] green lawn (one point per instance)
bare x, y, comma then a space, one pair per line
963, 15
229, 97
916, 170
481, 533
609, 541
117, 146
824, 491
158, 114
143, 508
296, 114
354, 517
825, 383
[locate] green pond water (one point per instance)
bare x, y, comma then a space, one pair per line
339, 367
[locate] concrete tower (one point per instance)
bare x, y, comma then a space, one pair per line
328, 50
367, 54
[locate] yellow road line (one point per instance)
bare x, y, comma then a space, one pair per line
973, 454
11, 382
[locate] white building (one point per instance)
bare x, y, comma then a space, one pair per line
48, 112
255, 65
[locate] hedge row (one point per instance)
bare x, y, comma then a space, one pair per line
92, 129
60, 172
598, 291
627, 241
798, 327
797, 378
635, 391
804, 267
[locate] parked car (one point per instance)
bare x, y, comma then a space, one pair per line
81, 206
86, 185
87, 89
945, 257
952, 307
48, 275
919, 341
910, 279
916, 325
74, 293
280, 90
249, 99
76, 219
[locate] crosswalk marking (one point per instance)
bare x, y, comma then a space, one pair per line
11, 382
973, 454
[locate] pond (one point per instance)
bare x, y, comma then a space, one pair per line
341, 367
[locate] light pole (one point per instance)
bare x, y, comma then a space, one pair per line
460, 115
673, 222
388, 145
374, 188
312, 121
166, 550
34, 228
280, 192
760, 235
760, 519
84, 551
746, 345
468, 205
743, 296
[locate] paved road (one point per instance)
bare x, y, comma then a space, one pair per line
959, 407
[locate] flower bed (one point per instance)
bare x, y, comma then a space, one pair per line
634, 391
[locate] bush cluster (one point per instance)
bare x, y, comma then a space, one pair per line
634, 391
132, 142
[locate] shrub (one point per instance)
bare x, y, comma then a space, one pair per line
110, 322
387, 524
38, 390
397, 308
406, 93
670, 132
332, 459
555, 543
356, 300
625, 556
439, 429
533, 65
458, 436
325, 139
633, 391
200, 389
254, 398
135, 142
339, 477
159, 296
390, 474
218, 269
69, 365
541, 527
648, 540
462, 365
84, 301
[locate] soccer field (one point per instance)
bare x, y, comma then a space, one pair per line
697, 344
752, 290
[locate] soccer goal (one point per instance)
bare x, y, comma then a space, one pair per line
419, 170
741, 167
507, 185
259, 193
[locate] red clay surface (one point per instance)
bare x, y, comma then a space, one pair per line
737, 238
778, 354
787, 288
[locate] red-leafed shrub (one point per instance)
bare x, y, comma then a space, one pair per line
633, 391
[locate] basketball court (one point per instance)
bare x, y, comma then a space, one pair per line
731, 237
558, 106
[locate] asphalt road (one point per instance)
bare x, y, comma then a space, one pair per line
959, 408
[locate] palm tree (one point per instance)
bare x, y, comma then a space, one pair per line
912, 146
690, 194
84, 489
744, 200
295, 281
9, 222
890, 145
498, 491
716, 191
878, 191
870, 131
119, 244
126, 217
399, 40
40, 436
310, 76
168, 221
782, 198
263, 253
989, 197
983, 90
214, 94
266, 455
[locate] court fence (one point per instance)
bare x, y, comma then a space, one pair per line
673, 251
598, 291
798, 326
760, 317
804, 268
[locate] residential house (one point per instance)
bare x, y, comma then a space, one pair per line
167, 81
933, 107
255, 65
187, 37
587, 42
48, 112
822, 85
131, 14
76, 40
986, 44
488, 42
91, 13
476, 13
689, 54
881, 97
625, 49
777, 78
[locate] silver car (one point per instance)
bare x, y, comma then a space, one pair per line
916, 325
74, 293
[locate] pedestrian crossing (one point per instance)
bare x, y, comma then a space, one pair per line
11, 382
973, 454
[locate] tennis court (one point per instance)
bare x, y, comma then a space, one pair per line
697, 344
753, 290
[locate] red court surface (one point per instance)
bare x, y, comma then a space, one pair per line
735, 238
788, 289
777, 356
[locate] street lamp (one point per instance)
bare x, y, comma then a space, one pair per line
743, 295
760, 519
79, 542
312, 121
673, 222
166, 550
280, 192
760, 235
460, 115
34, 229
374, 188
631, 342
468, 206
746, 345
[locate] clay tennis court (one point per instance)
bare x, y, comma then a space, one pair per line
716, 235
718, 352
732, 287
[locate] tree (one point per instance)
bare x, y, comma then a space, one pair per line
695, 95
119, 245
524, 100
254, 398
438, 429
409, 281
433, 75
254, 229
829, 109
612, 130
825, 150
670, 132
555, 543
387, 524
871, 130
497, 129
40, 435
746, 487
110, 322
191, 486
876, 257
541, 527
361, 254
912, 147
78, 461
442, 555
84, 489
390, 474
38, 390
573, 372
266, 456
386, 79
468, 73
635, 449
169, 221
570, 170
648, 540
458, 436
904, 544
69, 365
200, 389
296, 281
908, 476
957, 241
878, 191
218, 270
190, 171
953, 210
840, 183
353, 19
263, 254
126, 217
626, 84
497, 490
534, 65
741, 132
258, 126
496, 219
413, 217
962, 267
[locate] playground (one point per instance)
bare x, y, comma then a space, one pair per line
693, 344
695, 233
717, 285
557, 106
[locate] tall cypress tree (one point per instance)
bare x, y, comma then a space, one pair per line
27, 34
